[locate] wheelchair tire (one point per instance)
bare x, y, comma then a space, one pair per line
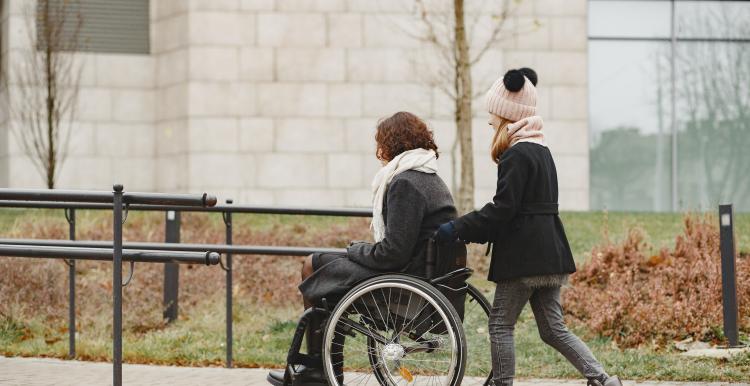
476, 321
397, 328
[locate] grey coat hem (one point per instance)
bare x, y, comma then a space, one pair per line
335, 278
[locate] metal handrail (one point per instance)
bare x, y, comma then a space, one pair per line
104, 253
339, 212
201, 200
220, 248
95, 196
55, 195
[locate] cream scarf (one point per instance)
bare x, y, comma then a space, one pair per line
421, 160
527, 130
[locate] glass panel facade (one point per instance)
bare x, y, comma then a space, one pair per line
629, 125
713, 121
712, 19
625, 18
631, 94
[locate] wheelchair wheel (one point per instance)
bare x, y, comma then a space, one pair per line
476, 320
392, 330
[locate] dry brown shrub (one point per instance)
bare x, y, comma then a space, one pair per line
39, 287
636, 298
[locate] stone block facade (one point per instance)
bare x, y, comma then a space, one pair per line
275, 101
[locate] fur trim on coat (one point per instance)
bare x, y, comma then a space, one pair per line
540, 281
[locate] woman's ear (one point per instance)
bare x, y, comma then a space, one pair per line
495, 121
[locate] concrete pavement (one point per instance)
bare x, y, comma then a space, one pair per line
48, 372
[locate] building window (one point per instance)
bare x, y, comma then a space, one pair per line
669, 99
109, 26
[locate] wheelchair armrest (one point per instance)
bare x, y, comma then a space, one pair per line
462, 273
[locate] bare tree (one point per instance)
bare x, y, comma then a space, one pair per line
445, 30
47, 82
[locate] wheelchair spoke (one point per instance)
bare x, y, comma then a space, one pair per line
424, 320
359, 344
388, 310
423, 360
364, 330
404, 329
378, 308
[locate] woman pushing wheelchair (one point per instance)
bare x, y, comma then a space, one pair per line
531, 258
410, 201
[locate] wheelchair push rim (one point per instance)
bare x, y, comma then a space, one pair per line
400, 330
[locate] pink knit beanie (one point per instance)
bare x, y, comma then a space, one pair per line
513, 96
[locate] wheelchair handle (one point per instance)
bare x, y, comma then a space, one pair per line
462, 273
431, 257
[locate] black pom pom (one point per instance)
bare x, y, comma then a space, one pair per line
514, 80
529, 73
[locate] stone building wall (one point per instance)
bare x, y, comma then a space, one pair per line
275, 102
113, 137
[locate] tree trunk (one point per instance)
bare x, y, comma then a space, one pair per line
50, 164
465, 194
51, 83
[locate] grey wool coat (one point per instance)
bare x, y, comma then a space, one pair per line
416, 203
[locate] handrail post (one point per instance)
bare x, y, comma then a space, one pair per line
117, 285
171, 270
229, 333
70, 215
728, 275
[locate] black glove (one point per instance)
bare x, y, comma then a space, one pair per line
446, 233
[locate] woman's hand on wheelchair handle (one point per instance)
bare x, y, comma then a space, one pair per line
355, 242
446, 233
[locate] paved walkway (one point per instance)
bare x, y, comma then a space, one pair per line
39, 372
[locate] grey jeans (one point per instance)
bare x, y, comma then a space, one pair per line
510, 298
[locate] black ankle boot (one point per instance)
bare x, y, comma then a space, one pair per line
307, 376
609, 381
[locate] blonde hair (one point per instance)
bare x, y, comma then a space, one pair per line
501, 140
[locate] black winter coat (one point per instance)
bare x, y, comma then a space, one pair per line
522, 220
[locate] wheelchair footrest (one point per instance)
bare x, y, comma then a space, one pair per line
296, 360
310, 361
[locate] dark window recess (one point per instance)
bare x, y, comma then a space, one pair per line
114, 26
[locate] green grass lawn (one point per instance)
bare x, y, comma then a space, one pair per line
262, 334
586, 229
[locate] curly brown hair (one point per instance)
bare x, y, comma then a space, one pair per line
402, 132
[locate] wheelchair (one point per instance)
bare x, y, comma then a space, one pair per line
399, 329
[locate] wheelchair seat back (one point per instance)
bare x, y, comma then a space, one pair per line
445, 268
448, 273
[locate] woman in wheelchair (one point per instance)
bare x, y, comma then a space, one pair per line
410, 201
